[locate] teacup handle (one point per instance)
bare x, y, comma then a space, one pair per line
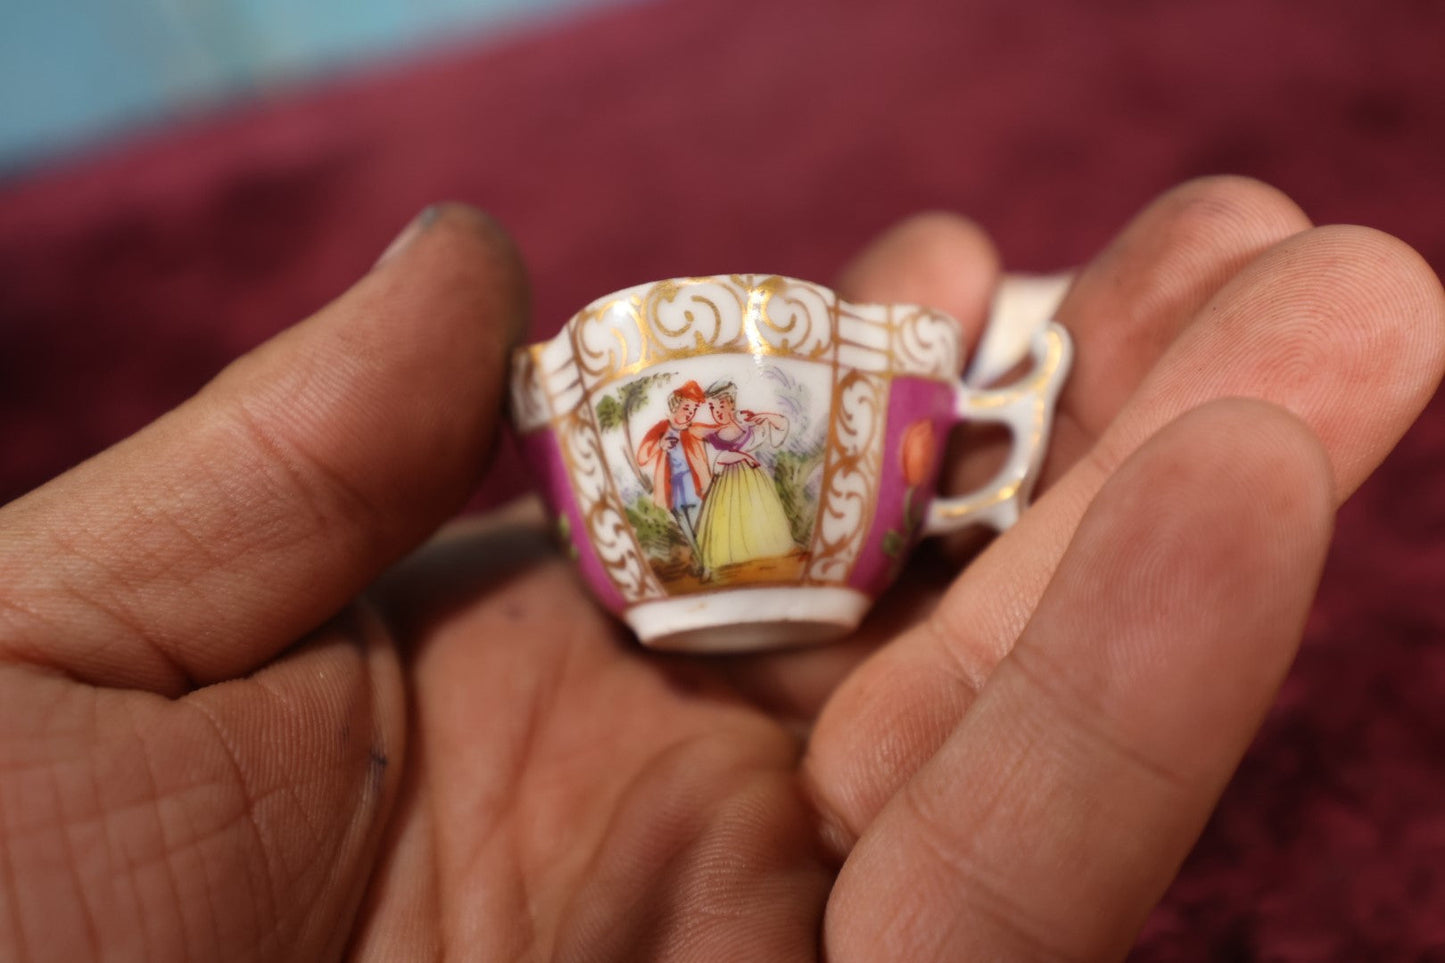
1026, 406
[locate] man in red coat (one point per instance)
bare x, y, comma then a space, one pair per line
673, 451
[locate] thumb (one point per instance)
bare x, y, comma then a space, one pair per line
197, 549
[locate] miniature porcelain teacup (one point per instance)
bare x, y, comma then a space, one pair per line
744, 461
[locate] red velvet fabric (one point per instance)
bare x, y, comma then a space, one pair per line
778, 135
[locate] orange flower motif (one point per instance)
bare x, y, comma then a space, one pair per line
916, 452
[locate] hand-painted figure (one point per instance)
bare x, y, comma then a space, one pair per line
742, 519
674, 452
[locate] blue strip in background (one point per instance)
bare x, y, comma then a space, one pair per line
73, 71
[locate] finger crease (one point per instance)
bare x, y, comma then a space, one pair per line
1083, 714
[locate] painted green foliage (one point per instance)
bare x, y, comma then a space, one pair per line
616, 410
564, 537
657, 531
792, 472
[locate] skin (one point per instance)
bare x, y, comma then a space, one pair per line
686, 411
682, 417
722, 413
722, 409
467, 760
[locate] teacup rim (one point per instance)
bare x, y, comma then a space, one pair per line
634, 289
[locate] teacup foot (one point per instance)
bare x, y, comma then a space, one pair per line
744, 620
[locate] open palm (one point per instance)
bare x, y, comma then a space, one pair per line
471, 761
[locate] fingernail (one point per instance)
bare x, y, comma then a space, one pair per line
408, 234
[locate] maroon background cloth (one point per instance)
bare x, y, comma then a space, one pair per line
757, 135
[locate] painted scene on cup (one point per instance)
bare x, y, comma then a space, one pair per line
718, 461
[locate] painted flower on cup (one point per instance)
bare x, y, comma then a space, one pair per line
916, 451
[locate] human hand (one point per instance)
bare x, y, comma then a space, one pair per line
764, 418
1007, 763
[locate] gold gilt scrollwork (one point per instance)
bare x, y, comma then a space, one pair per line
687, 317
927, 343
607, 337
851, 472
606, 519
791, 318
529, 403
672, 320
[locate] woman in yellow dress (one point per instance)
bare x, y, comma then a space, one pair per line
742, 517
